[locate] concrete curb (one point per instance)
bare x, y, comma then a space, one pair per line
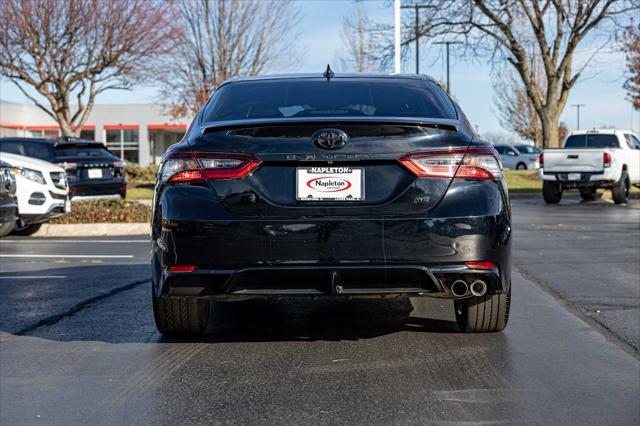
93, 230
524, 195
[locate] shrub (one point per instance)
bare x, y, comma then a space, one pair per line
136, 174
102, 211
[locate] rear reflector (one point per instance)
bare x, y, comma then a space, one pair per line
185, 167
479, 163
480, 265
182, 268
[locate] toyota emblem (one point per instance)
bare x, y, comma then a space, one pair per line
330, 138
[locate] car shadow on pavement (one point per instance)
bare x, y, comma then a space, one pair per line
325, 318
112, 304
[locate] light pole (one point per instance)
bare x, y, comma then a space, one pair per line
577, 107
416, 29
447, 44
396, 53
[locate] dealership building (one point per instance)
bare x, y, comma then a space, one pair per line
138, 133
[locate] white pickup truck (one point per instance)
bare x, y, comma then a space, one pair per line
589, 160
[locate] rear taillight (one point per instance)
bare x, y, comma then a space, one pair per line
480, 265
606, 160
541, 160
475, 163
182, 268
196, 167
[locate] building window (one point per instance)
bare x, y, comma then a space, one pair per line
88, 134
123, 143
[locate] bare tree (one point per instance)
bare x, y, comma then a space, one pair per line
73, 50
357, 42
502, 29
225, 39
631, 46
514, 108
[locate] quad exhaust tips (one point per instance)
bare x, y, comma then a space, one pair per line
459, 288
478, 288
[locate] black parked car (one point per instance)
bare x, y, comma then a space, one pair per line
355, 185
92, 170
8, 202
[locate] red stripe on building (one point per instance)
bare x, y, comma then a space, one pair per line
12, 126
121, 127
167, 127
25, 127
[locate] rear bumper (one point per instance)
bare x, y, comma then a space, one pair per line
96, 189
603, 179
336, 255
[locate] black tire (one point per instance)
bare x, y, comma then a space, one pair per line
521, 166
6, 228
180, 316
551, 192
620, 191
484, 314
588, 194
26, 229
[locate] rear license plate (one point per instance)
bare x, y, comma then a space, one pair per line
95, 173
330, 184
574, 176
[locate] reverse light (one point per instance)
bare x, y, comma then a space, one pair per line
480, 265
179, 168
606, 160
475, 163
65, 165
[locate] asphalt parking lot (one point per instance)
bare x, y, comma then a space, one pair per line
78, 344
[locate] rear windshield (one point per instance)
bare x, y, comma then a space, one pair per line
321, 98
82, 151
592, 141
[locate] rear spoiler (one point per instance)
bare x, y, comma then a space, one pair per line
438, 123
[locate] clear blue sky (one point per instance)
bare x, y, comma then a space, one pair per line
320, 43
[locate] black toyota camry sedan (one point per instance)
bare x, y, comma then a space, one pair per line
330, 185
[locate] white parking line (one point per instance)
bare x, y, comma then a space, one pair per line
39, 241
73, 256
31, 277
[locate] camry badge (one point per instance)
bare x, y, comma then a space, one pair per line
330, 138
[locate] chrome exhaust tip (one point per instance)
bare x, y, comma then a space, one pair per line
459, 288
478, 288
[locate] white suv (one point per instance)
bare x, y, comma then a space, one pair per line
41, 189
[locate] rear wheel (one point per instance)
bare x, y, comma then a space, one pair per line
551, 192
521, 166
484, 314
6, 228
180, 316
26, 229
588, 194
620, 191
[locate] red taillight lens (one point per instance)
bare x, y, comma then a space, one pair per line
203, 166
182, 268
475, 163
606, 160
541, 160
480, 265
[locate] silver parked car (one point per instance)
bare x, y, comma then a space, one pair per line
519, 157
